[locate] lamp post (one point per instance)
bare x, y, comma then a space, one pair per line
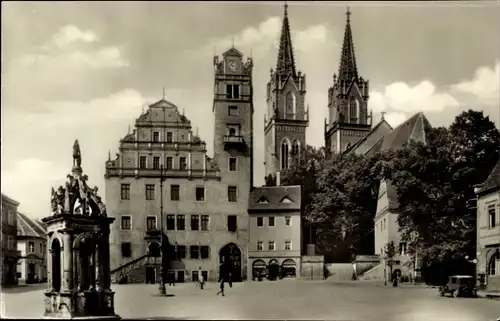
162, 248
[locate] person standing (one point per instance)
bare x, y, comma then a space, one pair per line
201, 278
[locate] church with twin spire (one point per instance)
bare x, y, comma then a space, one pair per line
162, 182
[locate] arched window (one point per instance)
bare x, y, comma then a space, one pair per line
291, 106
295, 149
493, 264
56, 265
284, 154
353, 110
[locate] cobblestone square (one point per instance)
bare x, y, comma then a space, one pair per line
285, 299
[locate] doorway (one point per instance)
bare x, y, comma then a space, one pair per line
150, 275
230, 254
31, 273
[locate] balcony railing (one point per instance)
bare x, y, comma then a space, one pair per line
233, 139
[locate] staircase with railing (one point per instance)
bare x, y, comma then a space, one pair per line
128, 268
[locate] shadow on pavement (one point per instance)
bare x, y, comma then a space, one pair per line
161, 295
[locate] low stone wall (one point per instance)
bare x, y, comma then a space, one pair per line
339, 271
312, 267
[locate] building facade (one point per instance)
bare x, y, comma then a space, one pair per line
32, 244
274, 250
10, 254
349, 120
488, 231
287, 118
162, 164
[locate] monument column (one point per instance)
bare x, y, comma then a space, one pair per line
68, 266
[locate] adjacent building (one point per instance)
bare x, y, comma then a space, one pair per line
274, 249
10, 253
488, 231
32, 245
163, 180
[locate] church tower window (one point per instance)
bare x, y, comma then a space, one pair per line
295, 149
291, 106
284, 154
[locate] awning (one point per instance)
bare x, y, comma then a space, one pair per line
289, 264
259, 264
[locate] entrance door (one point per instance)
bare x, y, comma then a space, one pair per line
231, 255
31, 273
150, 275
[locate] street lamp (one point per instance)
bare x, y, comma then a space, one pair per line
162, 248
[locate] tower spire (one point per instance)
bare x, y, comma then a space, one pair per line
286, 62
348, 69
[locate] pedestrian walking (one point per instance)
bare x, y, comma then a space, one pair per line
222, 271
171, 281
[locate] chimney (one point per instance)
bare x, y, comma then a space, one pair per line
277, 178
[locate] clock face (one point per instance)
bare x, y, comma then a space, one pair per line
233, 65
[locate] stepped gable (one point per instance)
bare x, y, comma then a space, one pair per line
272, 198
27, 227
492, 182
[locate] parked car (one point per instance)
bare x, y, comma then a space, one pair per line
459, 285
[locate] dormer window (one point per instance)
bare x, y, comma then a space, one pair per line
233, 91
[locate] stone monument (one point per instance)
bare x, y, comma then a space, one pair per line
78, 245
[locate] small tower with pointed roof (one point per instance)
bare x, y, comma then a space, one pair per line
349, 119
287, 118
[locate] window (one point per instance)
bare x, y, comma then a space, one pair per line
284, 154
174, 193
491, 216
200, 193
231, 193
150, 192
205, 251
194, 252
170, 222
143, 160
271, 246
156, 162
288, 245
271, 220
182, 163
204, 222
181, 252
233, 110
170, 137
354, 110
125, 191
170, 163
260, 246
232, 223
151, 223
232, 164
195, 222
194, 276
288, 220
126, 222
181, 222
156, 137
31, 246
402, 248
260, 221
233, 91
126, 249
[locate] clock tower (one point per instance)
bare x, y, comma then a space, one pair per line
287, 119
233, 112
349, 120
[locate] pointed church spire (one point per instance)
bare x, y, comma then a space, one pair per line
348, 69
286, 61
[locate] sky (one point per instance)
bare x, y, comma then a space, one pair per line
86, 70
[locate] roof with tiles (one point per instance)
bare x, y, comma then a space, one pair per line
275, 198
492, 183
363, 146
30, 228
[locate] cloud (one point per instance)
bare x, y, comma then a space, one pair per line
485, 85
29, 182
400, 96
72, 48
265, 36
